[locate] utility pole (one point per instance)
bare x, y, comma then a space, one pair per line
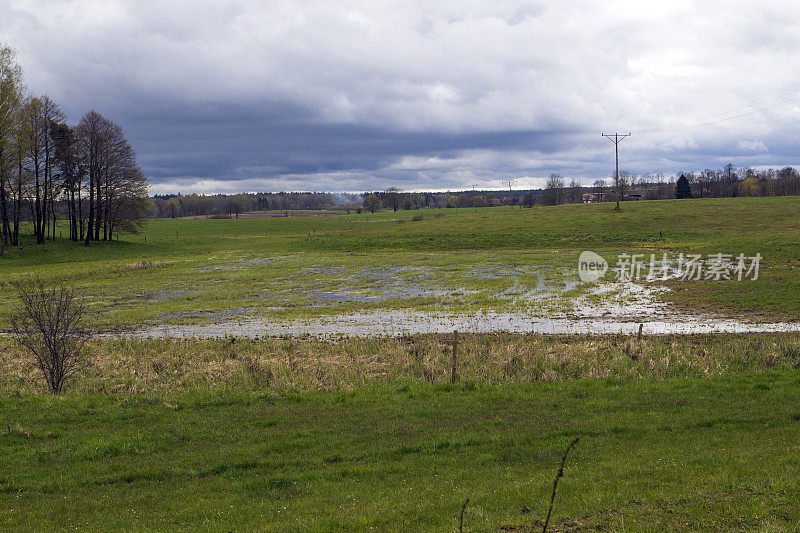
510, 194
473, 199
616, 139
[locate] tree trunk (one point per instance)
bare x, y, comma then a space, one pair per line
98, 209
18, 206
91, 209
73, 221
53, 213
38, 209
44, 225
106, 234
5, 231
80, 213
6, 227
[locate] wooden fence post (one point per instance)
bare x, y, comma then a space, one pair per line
455, 356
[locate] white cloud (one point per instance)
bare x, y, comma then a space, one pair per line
752, 146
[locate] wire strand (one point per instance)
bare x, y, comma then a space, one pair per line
706, 121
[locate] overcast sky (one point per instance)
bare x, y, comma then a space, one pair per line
353, 96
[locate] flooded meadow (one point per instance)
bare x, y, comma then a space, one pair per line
353, 296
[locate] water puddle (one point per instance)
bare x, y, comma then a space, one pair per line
606, 308
394, 323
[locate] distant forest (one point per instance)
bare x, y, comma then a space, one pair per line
725, 182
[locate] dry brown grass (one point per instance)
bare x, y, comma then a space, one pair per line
156, 366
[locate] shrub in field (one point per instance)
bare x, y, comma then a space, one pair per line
50, 324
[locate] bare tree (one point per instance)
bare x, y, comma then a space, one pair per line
599, 190
575, 195
554, 192
50, 323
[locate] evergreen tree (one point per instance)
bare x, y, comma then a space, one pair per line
682, 188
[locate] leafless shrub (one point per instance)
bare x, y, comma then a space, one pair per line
50, 323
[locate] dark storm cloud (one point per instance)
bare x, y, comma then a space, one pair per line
247, 145
316, 95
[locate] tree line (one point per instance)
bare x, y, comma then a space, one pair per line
231, 205
83, 175
725, 182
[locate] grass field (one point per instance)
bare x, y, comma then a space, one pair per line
678, 432
681, 454
199, 271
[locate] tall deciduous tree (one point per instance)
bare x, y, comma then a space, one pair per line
91, 136
67, 172
554, 193
34, 129
20, 173
11, 90
117, 187
51, 116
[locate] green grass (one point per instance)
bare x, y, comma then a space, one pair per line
208, 270
679, 454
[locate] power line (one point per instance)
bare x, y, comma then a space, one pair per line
772, 103
581, 157
473, 198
